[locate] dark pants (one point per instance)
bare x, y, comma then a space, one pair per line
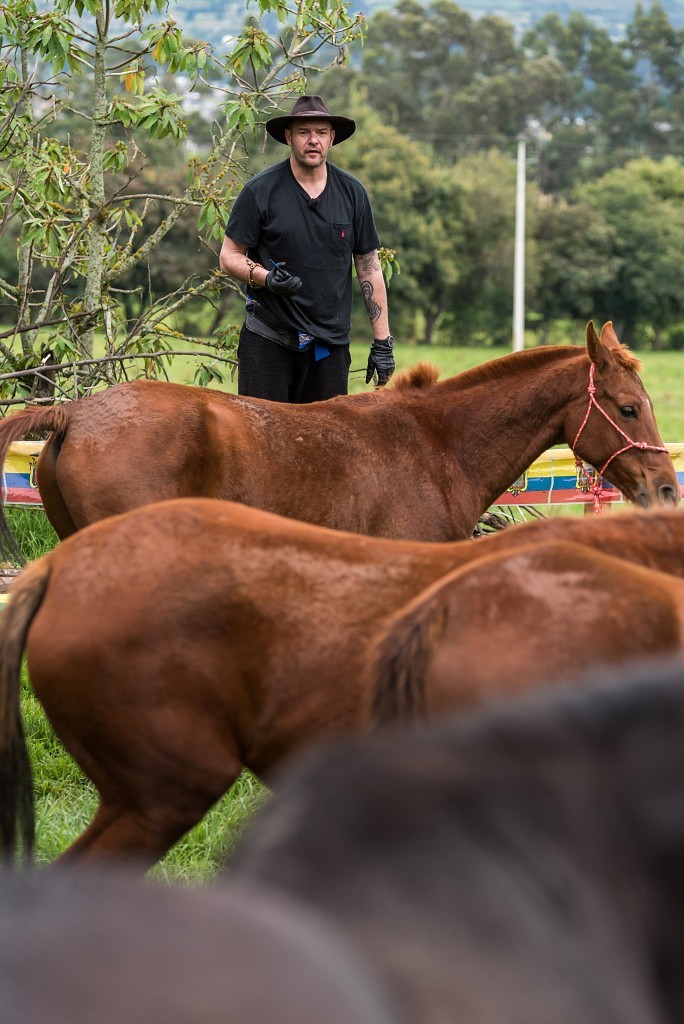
269, 370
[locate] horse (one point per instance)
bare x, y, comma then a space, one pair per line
109, 947
422, 460
511, 622
175, 644
523, 862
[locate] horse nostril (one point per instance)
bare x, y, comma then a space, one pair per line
667, 494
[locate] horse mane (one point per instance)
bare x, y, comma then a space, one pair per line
425, 375
417, 378
505, 366
627, 358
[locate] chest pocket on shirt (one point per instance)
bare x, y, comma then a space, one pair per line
341, 240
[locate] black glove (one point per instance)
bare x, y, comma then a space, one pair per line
280, 282
380, 360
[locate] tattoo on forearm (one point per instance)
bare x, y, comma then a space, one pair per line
370, 262
372, 306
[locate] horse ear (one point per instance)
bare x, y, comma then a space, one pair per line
608, 335
598, 346
593, 343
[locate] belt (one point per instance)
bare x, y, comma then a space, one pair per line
288, 333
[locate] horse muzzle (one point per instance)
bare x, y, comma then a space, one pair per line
664, 494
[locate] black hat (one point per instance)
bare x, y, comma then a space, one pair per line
310, 108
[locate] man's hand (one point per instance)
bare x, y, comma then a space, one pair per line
280, 282
380, 361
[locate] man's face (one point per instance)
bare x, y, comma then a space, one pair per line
310, 141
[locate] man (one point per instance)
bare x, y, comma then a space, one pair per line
291, 236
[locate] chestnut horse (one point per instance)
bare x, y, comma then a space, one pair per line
421, 461
510, 622
177, 643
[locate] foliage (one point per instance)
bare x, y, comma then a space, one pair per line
577, 262
450, 80
417, 208
460, 92
620, 95
84, 227
642, 204
115, 195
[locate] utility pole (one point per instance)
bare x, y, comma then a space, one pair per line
519, 260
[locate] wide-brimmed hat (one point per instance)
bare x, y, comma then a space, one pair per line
310, 108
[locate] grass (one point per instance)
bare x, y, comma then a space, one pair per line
65, 799
32, 530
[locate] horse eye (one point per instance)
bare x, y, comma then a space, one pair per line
629, 412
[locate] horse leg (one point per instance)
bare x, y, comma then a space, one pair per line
117, 833
141, 820
55, 506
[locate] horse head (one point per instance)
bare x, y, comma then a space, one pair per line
612, 426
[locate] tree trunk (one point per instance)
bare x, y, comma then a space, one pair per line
92, 296
430, 321
25, 261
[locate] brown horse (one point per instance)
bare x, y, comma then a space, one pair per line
422, 460
510, 622
174, 644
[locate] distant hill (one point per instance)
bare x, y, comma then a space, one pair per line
213, 20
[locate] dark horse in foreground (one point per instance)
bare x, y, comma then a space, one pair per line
175, 644
422, 460
103, 948
521, 864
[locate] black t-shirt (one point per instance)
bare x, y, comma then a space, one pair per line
277, 221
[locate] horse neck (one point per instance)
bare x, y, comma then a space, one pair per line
501, 416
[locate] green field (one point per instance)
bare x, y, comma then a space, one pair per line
65, 800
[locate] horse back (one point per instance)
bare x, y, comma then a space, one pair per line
127, 446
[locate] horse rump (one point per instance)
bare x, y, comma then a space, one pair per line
12, 428
485, 629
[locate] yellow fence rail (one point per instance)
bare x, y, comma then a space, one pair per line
552, 479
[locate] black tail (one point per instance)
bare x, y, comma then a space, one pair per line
400, 659
17, 821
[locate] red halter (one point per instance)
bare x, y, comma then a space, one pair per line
596, 488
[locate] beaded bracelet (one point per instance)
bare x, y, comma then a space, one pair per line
250, 279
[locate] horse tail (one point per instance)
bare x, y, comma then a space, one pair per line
401, 658
17, 819
27, 421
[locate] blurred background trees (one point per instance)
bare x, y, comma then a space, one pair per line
123, 144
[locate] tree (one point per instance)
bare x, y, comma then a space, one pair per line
620, 97
481, 306
417, 211
643, 205
577, 262
83, 226
448, 80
